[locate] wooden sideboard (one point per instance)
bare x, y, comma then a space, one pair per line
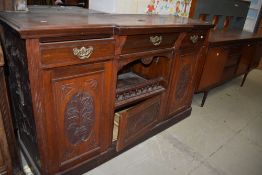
229, 54
231, 51
84, 88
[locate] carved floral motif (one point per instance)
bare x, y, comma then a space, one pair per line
79, 117
183, 81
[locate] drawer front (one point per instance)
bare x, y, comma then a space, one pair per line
75, 52
137, 121
141, 43
193, 39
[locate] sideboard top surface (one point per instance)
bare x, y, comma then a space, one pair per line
46, 21
226, 36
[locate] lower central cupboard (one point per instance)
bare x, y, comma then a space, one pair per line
132, 123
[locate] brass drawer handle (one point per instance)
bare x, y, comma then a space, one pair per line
156, 40
194, 38
83, 52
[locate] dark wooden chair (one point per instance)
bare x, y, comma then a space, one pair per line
80, 3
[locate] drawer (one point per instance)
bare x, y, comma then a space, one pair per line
75, 52
142, 43
193, 39
133, 123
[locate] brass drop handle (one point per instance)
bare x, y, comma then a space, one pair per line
83, 52
156, 40
194, 38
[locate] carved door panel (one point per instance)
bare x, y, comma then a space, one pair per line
182, 85
82, 112
136, 121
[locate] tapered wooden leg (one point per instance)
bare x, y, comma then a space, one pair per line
204, 98
244, 79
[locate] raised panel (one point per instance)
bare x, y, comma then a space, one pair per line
80, 112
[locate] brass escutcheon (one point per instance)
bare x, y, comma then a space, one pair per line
156, 40
83, 52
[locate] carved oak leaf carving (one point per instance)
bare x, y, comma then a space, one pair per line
79, 117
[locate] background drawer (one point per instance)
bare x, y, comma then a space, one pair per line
72, 52
141, 43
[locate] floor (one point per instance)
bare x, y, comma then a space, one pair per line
222, 138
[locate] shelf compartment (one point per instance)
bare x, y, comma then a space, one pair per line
132, 88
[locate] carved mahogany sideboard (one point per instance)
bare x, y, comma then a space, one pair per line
86, 87
229, 55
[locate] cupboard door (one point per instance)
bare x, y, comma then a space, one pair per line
257, 55
213, 68
182, 85
246, 58
137, 121
81, 110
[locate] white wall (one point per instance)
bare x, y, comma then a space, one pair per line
253, 15
120, 6
107, 6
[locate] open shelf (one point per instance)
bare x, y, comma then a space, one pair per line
132, 88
